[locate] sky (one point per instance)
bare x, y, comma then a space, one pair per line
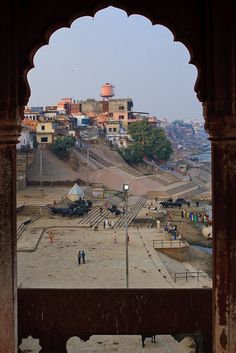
141, 60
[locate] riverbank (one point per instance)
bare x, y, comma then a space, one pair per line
194, 237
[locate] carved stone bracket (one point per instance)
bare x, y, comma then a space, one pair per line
221, 128
9, 132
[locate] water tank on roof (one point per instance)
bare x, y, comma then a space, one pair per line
107, 91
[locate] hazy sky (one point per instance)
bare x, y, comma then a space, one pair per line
142, 62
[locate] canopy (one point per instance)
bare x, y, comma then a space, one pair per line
75, 193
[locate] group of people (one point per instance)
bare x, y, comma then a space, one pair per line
101, 208
81, 257
108, 224
173, 231
202, 217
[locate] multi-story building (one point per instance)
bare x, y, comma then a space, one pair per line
32, 114
115, 134
26, 138
120, 110
45, 132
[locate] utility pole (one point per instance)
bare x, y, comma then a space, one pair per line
87, 159
41, 147
126, 189
41, 165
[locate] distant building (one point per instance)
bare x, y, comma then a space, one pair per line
120, 110
64, 106
115, 134
91, 107
50, 115
26, 139
31, 115
45, 132
80, 120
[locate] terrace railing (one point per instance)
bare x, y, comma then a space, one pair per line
55, 315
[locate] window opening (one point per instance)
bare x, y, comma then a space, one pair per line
143, 220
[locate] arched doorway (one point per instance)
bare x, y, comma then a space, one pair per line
206, 29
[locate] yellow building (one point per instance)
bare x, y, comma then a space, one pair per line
44, 132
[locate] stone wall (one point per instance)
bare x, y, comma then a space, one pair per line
23, 160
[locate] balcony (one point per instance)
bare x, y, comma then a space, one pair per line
55, 315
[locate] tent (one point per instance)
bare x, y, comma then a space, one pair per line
75, 193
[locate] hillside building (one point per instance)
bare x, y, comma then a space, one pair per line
44, 132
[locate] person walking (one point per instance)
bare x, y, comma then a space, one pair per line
51, 236
79, 257
83, 256
115, 238
100, 210
106, 223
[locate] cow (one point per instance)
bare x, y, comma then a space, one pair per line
152, 336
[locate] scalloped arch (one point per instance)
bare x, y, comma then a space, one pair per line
169, 16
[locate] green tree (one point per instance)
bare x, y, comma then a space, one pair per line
148, 141
62, 144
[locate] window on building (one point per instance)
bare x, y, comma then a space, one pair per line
110, 129
121, 117
44, 139
121, 107
111, 114
114, 129
43, 127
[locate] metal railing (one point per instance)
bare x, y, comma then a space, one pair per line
189, 275
169, 243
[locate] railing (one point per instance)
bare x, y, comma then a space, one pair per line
55, 315
178, 271
190, 275
168, 243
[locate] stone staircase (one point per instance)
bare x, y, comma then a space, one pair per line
178, 271
135, 205
32, 211
95, 216
20, 229
186, 190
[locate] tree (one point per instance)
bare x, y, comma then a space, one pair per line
62, 144
148, 141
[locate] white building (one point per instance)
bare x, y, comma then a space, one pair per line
25, 139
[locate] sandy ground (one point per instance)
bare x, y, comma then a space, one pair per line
55, 265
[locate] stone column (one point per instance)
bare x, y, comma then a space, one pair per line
8, 138
8, 285
220, 113
223, 137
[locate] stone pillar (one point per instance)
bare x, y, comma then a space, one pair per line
220, 114
8, 285
8, 138
223, 137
